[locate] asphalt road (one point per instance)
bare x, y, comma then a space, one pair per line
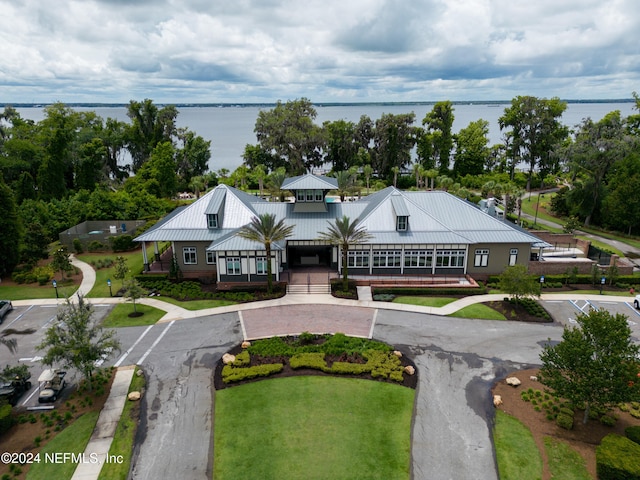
458, 361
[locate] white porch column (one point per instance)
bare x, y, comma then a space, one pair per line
145, 260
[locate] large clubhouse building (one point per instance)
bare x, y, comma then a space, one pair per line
420, 233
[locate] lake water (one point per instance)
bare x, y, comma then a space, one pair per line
230, 128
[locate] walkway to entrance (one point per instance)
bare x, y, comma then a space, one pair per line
315, 275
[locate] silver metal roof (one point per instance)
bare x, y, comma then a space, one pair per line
310, 182
435, 217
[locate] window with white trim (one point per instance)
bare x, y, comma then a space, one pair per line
189, 256
212, 220
387, 258
513, 256
211, 258
450, 258
319, 196
418, 258
261, 265
300, 194
233, 265
401, 223
358, 258
481, 258
310, 195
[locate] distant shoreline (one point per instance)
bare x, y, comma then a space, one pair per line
316, 104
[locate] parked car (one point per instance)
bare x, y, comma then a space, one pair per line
636, 302
5, 307
52, 383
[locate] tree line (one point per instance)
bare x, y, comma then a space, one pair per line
74, 166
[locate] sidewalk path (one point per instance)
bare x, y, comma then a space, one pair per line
102, 437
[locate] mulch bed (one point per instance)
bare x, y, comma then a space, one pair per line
516, 313
410, 381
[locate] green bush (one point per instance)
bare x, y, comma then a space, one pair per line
347, 368
122, 243
6, 420
564, 421
384, 297
567, 411
77, 246
618, 457
633, 433
242, 359
232, 374
608, 420
95, 246
314, 360
437, 292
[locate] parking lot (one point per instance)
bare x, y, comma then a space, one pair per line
565, 311
37, 318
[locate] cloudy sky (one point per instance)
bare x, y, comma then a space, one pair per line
210, 51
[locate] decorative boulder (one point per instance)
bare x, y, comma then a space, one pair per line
497, 400
397, 353
513, 381
246, 344
409, 370
134, 396
228, 359
140, 372
533, 378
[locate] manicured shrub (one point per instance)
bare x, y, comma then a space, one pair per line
608, 420
242, 359
314, 360
564, 421
122, 243
234, 374
618, 457
77, 246
346, 368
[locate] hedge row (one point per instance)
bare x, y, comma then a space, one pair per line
580, 279
333, 345
232, 374
481, 290
618, 457
379, 364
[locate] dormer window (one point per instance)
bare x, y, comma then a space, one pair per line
402, 222
212, 220
309, 196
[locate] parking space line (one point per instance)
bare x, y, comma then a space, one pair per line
632, 308
130, 349
35, 390
19, 317
146, 354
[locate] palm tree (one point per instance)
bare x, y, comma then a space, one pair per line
395, 171
276, 179
345, 183
343, 232
367, 170
266, 230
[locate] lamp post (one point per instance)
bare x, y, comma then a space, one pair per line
109, 285
541, 282
55, 286
535, 220
602, 280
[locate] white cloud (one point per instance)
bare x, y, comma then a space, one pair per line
326, 50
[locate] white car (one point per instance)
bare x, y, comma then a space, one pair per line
636, 302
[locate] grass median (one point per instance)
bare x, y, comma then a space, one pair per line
516, 451
313, 427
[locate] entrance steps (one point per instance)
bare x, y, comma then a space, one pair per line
308, 289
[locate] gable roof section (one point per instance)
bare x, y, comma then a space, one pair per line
310, 182
190, 224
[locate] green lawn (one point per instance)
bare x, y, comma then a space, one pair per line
313, 428
119, 316
424, 301
564, 462
197, 304
134, 262
72, 439
123, 438
478, 311
516, 452
33, 290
